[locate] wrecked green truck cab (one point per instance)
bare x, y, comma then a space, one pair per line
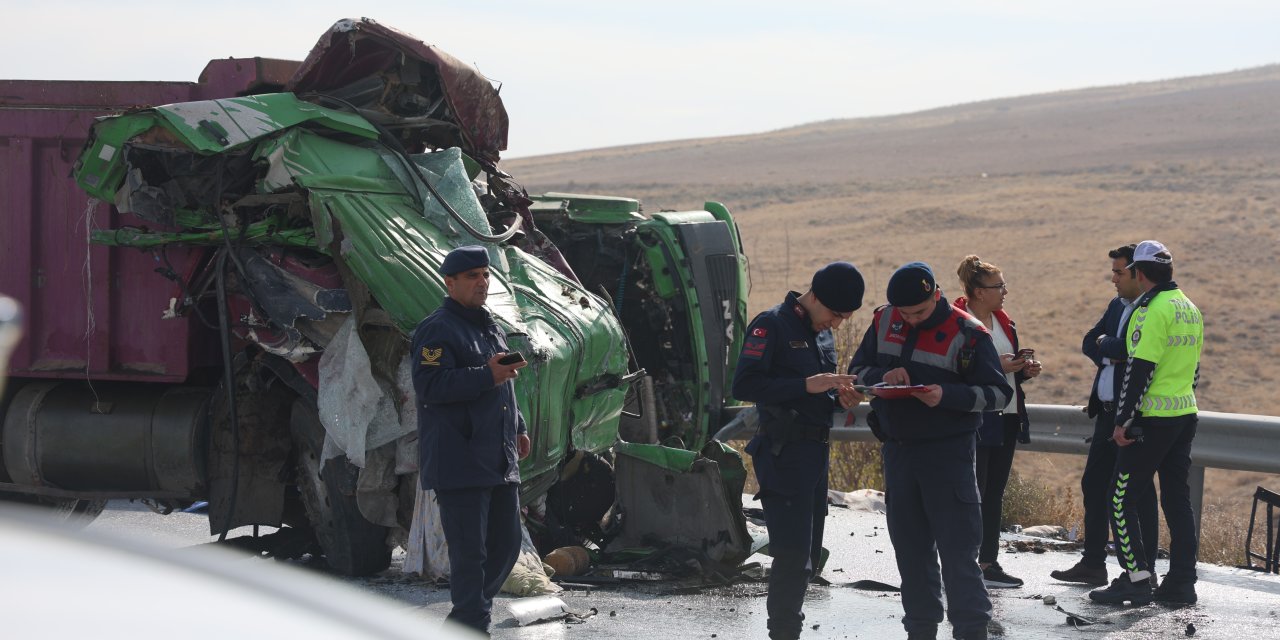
313, 222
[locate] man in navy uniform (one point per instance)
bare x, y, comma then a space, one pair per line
470, 435
931, 489
787, 367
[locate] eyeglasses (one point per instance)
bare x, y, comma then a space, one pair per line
998, 285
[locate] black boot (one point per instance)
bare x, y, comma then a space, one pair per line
1175, 592
1082, 573
1123, 590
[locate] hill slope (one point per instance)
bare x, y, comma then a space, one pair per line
1216, 117
1041, 185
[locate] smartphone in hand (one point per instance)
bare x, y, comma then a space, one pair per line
511, 358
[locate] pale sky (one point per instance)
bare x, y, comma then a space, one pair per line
578, 75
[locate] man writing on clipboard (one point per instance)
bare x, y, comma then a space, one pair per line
931, 490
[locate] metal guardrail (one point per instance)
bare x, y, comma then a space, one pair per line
1234, 441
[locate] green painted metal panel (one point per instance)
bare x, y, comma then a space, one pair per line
371, 211
209, 126
594, 209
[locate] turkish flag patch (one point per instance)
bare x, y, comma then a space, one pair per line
760, 332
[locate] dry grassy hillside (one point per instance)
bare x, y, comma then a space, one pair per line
1041, 185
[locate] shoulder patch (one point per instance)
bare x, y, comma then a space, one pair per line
431, 357
760, 332
753, 349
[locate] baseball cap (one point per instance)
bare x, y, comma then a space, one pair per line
1149, 250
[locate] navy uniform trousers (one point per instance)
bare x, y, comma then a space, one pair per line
796, 522
931, 495
482, 527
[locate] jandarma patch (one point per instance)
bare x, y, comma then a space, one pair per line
431, 357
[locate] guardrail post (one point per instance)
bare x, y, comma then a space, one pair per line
1196, 481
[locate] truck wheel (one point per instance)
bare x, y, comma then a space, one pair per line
352, 545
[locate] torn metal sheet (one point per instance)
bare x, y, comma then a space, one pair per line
206, 127
384, 70
683, 499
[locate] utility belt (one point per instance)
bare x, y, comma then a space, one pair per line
784, 426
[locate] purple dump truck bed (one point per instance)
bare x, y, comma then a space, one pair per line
91, 311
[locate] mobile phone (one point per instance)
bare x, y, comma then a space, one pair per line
511, 358
1026, 354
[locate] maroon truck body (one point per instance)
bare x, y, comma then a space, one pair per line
94, 312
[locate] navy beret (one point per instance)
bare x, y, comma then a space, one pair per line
911, 284
464, 259
839, 287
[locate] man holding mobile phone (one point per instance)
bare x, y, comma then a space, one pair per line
471, 435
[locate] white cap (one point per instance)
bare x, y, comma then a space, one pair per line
1149, 250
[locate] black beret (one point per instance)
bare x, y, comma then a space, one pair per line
911, 284
839, 287
464, 259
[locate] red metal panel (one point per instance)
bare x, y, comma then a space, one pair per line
17, 276
91, 311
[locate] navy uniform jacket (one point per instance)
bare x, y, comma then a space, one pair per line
779, 351
950, 348
1112, 347
466, 426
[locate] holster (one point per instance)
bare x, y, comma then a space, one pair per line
783, 426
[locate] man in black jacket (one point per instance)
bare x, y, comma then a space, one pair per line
1104, 344
470, 435
787, 367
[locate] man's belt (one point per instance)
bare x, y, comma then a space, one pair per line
1108, 406
783, 426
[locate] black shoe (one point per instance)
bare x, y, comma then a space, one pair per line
1175, 592
1082, 573
1123, 590
996, 578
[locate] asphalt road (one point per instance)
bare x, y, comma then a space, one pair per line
1233, 603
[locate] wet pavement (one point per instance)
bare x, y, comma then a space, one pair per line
1234, 603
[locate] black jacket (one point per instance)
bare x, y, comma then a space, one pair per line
467, 426
1111, 346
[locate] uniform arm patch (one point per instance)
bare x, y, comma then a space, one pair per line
753, 348
431, 357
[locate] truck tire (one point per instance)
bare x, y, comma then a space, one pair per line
352, 545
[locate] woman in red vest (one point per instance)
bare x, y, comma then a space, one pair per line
985, 290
